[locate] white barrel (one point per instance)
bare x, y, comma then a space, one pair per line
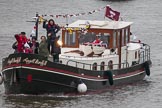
82, 88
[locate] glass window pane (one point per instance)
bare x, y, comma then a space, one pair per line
126, 40
114, 39
70, 39
123, 37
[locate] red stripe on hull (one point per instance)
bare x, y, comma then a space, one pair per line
69, 72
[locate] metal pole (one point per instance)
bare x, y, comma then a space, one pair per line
36, 25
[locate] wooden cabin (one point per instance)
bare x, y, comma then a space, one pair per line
116, 34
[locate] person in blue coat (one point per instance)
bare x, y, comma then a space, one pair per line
52, 29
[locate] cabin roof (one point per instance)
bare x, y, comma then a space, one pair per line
100, 24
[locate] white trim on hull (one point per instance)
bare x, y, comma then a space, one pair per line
74, 75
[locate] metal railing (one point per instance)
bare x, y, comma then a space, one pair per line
92, 66
144, 55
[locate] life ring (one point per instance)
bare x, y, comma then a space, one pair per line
110, 77
147, 68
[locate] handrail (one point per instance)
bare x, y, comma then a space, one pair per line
144, 55
85, 57
124, 65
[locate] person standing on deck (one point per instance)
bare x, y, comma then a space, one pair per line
34, 45
21, 40
15, 44
24, 38
56, 51
43, 47
52, 29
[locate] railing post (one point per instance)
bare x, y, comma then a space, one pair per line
83, 66
76, 64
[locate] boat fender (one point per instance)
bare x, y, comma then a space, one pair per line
1, 79
110, 77
147, 68
82, 88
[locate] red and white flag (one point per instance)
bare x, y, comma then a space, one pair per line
112, 14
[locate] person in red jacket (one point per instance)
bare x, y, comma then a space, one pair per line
21, 40
97, 40
24, 38
20, 46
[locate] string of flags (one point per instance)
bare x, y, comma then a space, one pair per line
109, 13
75, 15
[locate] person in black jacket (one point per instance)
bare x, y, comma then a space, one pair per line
56, 51
52, 29
14, 46
34, 45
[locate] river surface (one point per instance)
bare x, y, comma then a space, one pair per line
147, 18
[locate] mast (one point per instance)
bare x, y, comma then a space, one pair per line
36, 25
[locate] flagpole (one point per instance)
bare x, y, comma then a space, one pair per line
67, 20
36, 25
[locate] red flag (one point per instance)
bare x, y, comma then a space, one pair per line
114, 15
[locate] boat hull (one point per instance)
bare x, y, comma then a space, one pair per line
34, 74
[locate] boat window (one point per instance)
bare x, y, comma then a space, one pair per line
105, 37
70, 38
114, 39
126, 39
110, 64
118, 39
136, 55
102, 66
94, 66
91, 37
61, 61
123, 37
88, 37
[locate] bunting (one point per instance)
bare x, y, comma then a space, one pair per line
74, 15
112, 14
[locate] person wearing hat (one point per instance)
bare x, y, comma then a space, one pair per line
51, 29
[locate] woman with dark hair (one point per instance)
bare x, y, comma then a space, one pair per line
52, 29
43, 47
34, 45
